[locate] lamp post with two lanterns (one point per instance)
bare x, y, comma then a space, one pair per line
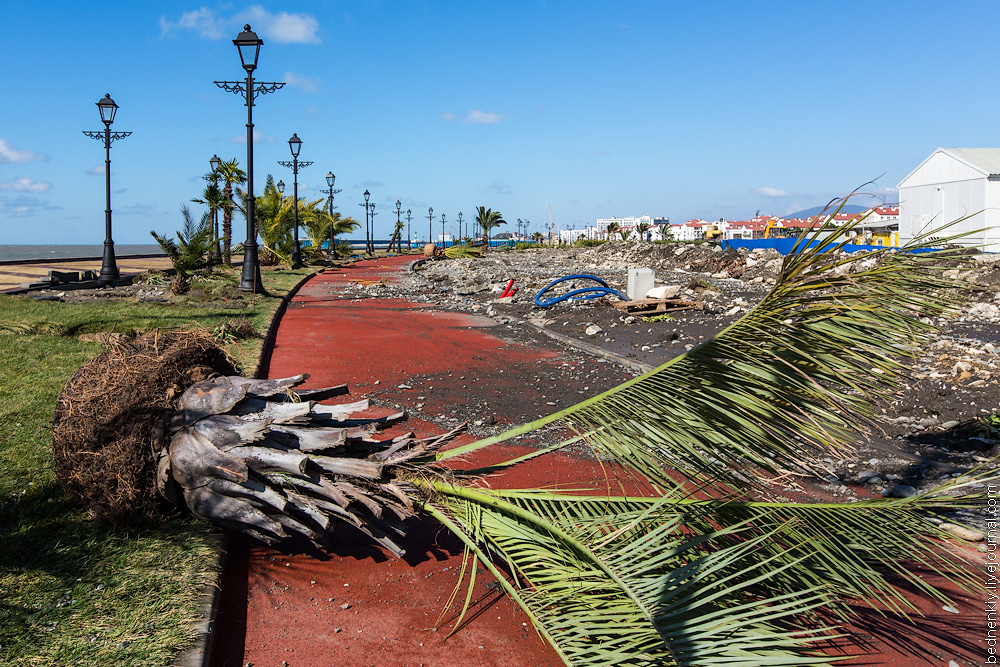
108, 108
399, 226
409, 238
295, 145
366, 205
249, 45
330, 180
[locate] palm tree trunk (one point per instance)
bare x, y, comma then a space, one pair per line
227, 224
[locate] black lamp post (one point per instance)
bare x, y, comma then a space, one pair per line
460, 237
108, 108
408, 236
367, 244
248, 44
430, 224
371, 245
214, 164
295, 145
281, 187
442, 231
330, 180
399, 226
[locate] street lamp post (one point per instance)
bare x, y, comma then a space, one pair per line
248, 45
460, 226
367, 195
442, 231
430, 225
295, 145
409, 238
330, 180
371, 243
214, 163
399, 226
108, 108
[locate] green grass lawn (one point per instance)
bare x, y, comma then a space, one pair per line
73, 592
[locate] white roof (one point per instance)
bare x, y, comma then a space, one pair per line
986, 160
975, 162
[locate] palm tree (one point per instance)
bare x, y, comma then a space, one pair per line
231, 175
275, 217
188, 253
537, 237
641, 229
213, 198
625, 234
341, 226
613, 227
709, 570
488, 219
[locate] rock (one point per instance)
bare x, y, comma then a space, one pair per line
927, 422
593, 330
963, 533
663, 292
866, 475
902, 491
961, 367
471, 288
950, 424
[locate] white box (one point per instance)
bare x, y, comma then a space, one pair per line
640, 281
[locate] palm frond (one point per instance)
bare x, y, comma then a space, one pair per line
642, 583
795, 376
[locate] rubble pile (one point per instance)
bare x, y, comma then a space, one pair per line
930, 433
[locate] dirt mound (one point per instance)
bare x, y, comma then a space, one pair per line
109, 417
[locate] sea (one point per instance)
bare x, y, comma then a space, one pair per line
21, 252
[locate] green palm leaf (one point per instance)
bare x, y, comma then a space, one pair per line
725, 580
794, 377
661, 591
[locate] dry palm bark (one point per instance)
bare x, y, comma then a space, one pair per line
255, 456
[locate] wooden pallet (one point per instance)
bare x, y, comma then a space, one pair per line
643, 307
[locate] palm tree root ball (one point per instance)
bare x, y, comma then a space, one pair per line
163, 422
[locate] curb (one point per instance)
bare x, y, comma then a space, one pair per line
592, 349
199, 652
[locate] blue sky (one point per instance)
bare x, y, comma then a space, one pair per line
599, 109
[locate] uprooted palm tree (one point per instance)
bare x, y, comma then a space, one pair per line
707, 571
190, 251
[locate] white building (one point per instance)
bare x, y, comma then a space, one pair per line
953, 184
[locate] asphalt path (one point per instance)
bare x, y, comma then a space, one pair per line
356, 605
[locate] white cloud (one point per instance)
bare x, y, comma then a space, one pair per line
25, 185
499, 187
258, 138
11, 155
282, 27
477, 117
447, 116
306, 83
769, 192
20, 207
203, 21
367, 185
96, 171
142, 210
